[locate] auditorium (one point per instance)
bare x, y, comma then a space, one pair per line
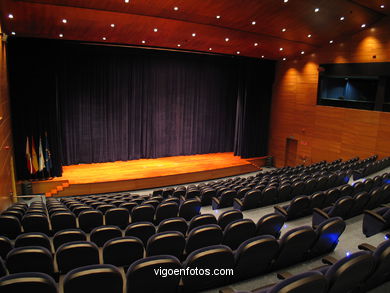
212, 146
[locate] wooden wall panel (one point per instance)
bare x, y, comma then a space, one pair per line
328, 133
5, 133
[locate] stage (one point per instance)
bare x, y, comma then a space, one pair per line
144, 173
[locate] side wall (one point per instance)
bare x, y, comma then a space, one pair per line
6, 149
328, 133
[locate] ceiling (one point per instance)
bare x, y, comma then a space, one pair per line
253, 27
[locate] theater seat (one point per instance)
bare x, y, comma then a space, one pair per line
270, 224
141, 275
250, 201
94, 278
376, 221
5, 246
166, 210
36, 223
62, 220
122, 251
201, 220
173, 224
10, 226
33, 239
298, 207
202, 236
117, 217
224, 200
28, 282
166, 243
229, 216
90, 219
340, 209
142, 213
68, 235
141, 230
237, 232
189, 209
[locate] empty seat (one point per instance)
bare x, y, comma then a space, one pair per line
33, 239
30, 259
166, 243
141, 275
36, 223
301, 283
376, 221
224, 200
254, 256
201, 220
250, 201
269, 195
62, 220
141, 230
340, 209
128, 205
28, 282
10, 226
375, 198
166, 210
360, 201
298, 207
16, 213
118, 217
189, 208
104, 207
237, 232
68, 235
328, 234
76, 254
5, 246
294, 246
142, 213
202, 236
332, 195
94, 278
102, 234
3, 270
229, 216
270, 224
206, 196
173, 224
90, 219
122, 251
208, 258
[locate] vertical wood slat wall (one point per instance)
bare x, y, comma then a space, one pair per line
328, 133
6, 149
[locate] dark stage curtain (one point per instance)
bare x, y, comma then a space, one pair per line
103, 103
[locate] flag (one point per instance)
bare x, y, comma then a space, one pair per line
41, 159
34, 156
28, 157
48, 163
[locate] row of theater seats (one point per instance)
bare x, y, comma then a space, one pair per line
345, 201
376, 221
358, 272
255, 256
371, 168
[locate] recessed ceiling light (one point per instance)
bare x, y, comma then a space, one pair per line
218, 16
104, 38
226, 39
60, 35
316, 10
342, 18
210, 49
10, 16
194, 34
112, 24
382, 6
176, 8
64, 20
331, 41
280, 49
143, 42
262, 56
127, 1
284, 59
178, 45
302, 52
309, 35
238, 52
13, 33
285, 1
283, 29
256, 44
363, 25
253, 22
155, 30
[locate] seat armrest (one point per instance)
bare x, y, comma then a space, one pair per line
329, 260
284, 275
227, 290
375, 216
280, 210
367, 247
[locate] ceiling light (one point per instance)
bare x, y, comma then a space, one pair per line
302, 52
253, 22
210, 49
280, 49
342, 18
176, 8
178, 45
382, 6
64, 20
127, 1
284, 59
363, 25
13, 33
226, 39
112, 25
143, 42
104, 38
238, 52
285, 1
155, 30
256, 44
331, 41
194, 34
262, 56
218, 16
60, 35
316, 10
10, 16
283, 29
309, 35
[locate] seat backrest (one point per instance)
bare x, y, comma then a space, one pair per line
237, 232
123, 251
302, 283
200, 220
229, 216
141, 275
90, 219
94, 278
189, 208
102, 234
203, 236
341, 207
5, 246
173, 224
328, 234
117, 216
36, 223
251, 199
166, 243
298, 206
166, 210
30, 259
62, 220
144, 212
141, 230
28, 282
270, 224
284, 192
268, 196
76, 254
68, 235
33, 239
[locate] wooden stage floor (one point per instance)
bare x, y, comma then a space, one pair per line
144, 173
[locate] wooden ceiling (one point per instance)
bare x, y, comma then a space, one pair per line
254, 27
